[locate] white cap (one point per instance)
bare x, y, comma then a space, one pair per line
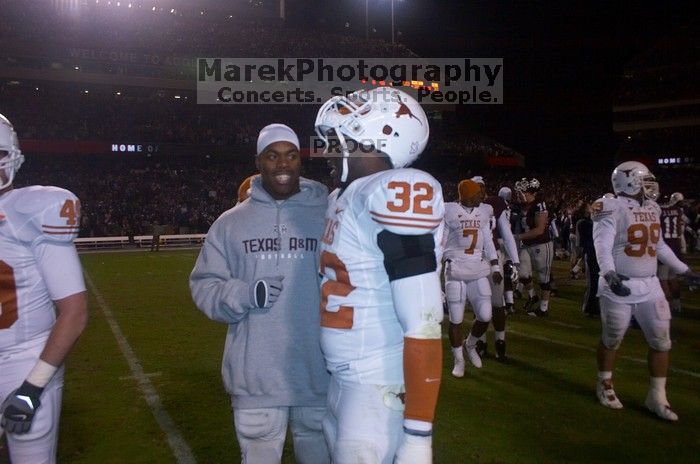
478, 180
276, 133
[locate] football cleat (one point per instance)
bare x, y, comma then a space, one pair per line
473, 355
458, 369
537, 312
661, 408
606, 395
501, 350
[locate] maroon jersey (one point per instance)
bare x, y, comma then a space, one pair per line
529, 221
672, 226
499, 207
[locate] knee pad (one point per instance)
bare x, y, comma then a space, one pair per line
656, 325
482, 301
354, 451
455, 293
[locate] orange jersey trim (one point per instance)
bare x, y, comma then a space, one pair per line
404, 218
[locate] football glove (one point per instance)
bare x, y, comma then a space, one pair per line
614, 281
19, 408
692, 279
414, 449
265, 291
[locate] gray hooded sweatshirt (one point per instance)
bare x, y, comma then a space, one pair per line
272, 356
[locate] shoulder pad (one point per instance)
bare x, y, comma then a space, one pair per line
603, 207
405, 201
487, 209
53, 214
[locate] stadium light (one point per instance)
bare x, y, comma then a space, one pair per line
153, 9
129, 5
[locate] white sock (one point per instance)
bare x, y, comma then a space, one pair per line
657, 387
604, 375
520, 287
458, 353
471, 341
509, 296
531, 292
544, 305
483, 337
501, 335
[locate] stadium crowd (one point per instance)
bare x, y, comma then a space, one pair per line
127, 196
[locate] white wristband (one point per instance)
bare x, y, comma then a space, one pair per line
495, 268
41, 374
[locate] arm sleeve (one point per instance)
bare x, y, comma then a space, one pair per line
417, 298
665, 254
604, 228
214, 290
507, 236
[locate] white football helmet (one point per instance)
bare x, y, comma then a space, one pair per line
13, 160
385, 118
632, 177
676, 197
505, 193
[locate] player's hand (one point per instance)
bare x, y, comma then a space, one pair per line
692, 279
414, 449
19, 408
497, 277
614, 281
265, 291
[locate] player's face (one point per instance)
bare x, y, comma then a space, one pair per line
529, 197
280, 168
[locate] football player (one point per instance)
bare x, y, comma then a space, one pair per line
509, 284
43, 305
538, 250
381, 302
470, 257
672, 228
502, 235
628, 241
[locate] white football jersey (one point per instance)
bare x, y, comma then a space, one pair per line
361, 337
627, 239
38, 261
468, 240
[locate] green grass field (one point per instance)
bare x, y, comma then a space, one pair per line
538, 408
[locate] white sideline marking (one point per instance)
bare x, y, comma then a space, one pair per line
593, 350
131, 377
181, 450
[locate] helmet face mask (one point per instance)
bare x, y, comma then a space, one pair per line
382, 120
11, 157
